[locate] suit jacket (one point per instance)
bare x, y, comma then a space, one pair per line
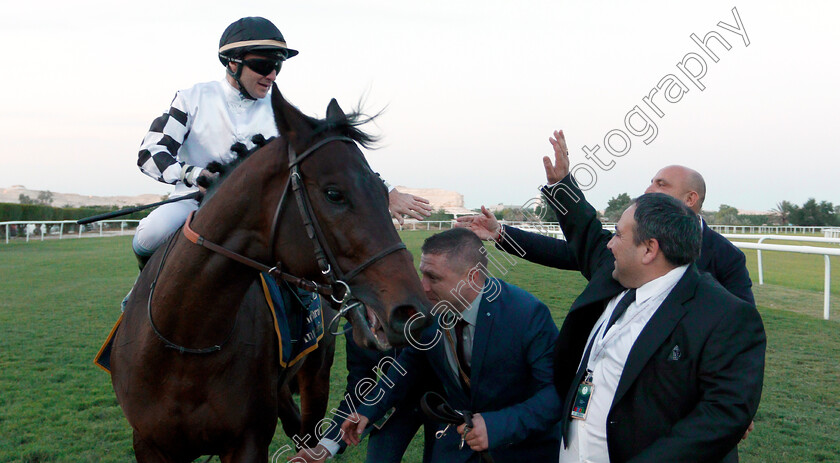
511, 378
725, 262
692, 380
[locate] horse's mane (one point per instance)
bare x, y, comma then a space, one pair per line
343, 125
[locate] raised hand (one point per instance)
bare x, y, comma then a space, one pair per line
559, 169
485, 226
405, 204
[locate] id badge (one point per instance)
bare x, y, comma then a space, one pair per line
581, 403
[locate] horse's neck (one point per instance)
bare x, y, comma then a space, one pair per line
198, 292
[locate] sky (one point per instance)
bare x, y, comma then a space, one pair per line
471, 90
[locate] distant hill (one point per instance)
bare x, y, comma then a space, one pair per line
12, 195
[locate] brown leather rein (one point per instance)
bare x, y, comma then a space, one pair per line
323, 254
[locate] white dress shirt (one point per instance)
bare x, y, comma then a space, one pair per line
588, 439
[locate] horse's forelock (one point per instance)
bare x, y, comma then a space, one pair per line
345, 125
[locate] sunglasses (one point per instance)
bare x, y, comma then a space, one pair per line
262, 67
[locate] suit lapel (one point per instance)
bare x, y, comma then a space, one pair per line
657, 330
487, 312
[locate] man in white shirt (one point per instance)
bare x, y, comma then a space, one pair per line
655, 361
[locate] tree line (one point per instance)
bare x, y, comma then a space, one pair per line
810, 213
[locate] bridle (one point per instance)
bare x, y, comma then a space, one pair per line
327, 263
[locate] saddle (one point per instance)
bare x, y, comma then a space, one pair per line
438, 409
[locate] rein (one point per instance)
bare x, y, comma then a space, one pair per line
166, 342
323, 254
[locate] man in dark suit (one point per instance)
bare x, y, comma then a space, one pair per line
725, 262
655, 361
490, 348
388, 442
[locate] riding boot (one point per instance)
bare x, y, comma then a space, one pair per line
141, 260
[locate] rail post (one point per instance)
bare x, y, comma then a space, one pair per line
827, 297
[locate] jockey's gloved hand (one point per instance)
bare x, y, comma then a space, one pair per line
190, 174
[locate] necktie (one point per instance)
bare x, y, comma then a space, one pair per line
620, 308
457, 346
618, 311
459, 341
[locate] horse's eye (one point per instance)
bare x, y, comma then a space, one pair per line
334, 196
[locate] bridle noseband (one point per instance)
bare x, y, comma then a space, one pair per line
337, 279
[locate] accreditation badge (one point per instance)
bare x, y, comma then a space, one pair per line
581, 403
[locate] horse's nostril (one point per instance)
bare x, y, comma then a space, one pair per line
401, 314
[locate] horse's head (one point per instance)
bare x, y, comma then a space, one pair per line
347, 237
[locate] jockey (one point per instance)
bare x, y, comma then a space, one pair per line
204, 121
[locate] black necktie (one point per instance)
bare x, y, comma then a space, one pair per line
618, 311
620, 308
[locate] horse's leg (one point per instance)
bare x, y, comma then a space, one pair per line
145, 453
288, 411
252, 450
314, 383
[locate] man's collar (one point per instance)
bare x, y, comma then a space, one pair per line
470, 314
657, 285
233, 95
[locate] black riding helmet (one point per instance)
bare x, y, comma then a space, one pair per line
251, 35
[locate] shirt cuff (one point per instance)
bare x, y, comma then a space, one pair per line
332, 446
189, 174
501, 236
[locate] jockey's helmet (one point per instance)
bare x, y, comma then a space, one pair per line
253, 35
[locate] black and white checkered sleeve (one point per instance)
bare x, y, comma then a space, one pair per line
158, 156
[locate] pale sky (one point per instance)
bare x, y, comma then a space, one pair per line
472, 90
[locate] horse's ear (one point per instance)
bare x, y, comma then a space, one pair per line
334, 110
291, 123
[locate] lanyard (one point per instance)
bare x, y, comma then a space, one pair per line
613, 333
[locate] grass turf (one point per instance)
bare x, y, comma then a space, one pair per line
59, 299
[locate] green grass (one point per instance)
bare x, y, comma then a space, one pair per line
59, 299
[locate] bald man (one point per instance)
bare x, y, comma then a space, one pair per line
718, 256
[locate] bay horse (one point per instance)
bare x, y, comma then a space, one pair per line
194, 362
